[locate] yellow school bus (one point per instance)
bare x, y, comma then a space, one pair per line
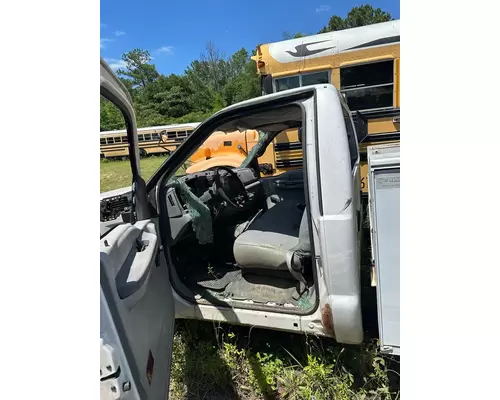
152, 140
363, 63
229, 149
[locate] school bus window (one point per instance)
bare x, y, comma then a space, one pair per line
110, 140
368, 86
315, 78
147, 136
288, 82
103, 140
124, 139
155, 136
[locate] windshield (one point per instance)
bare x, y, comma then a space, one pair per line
264, 138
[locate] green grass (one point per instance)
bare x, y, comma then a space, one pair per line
116, 174
214, 361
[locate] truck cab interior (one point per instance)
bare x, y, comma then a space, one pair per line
235, 239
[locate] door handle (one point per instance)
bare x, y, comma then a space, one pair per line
136, 270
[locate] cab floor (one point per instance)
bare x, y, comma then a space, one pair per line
229, 282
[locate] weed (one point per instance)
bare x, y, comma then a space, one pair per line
231, 362
197, 370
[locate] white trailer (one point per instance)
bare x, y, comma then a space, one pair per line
383, 187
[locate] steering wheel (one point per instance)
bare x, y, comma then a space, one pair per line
240, 195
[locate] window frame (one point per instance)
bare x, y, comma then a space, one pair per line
352, 139
328, 72
353, 89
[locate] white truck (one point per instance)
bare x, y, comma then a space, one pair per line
227, 245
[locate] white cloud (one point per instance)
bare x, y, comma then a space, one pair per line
119, 33
104, 41
169, 50
115, 64
323, 8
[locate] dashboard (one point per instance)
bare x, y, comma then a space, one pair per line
200, 182
189, 191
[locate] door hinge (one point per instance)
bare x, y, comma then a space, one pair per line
112, 387
109, 360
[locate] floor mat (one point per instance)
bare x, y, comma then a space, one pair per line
219, 281
216, 278
262, 289
229, 282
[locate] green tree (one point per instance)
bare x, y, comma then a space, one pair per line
213, 67
138, 68
358, 16
208, 77
202, 93
168, 95
243, 82
208, 84
111, 117
288, 35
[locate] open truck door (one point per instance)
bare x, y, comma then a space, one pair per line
137, 309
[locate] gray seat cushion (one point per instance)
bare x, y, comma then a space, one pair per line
267, 240
265, 250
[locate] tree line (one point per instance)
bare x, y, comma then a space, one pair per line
208, 84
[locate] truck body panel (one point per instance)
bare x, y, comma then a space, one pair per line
384, 201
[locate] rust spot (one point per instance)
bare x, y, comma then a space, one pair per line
327, 318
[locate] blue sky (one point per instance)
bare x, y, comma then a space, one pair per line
176, 33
